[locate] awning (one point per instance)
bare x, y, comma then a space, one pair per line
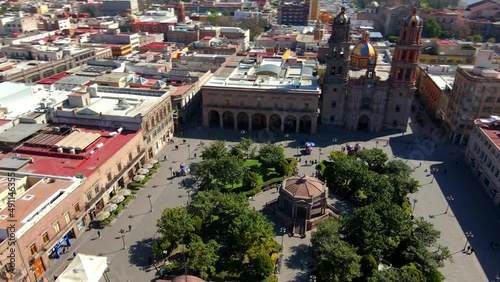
84, 268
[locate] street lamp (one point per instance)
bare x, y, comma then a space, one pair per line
283, 231
415, 201
450, 199
376, 144
122, 233
312, 278
334, 140
468, 234
434, 170
286, 139
189, 193
298, 148
150, 204
189, 151
319, 150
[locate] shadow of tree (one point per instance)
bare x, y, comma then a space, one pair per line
301, 276
300, 257
140, 252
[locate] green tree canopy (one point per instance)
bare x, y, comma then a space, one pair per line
245, 144
175, 224
374, 158
229, 169
271, 155
336, 260
216, 150
431, 29
203, 257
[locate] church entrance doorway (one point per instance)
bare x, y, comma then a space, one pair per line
363, 122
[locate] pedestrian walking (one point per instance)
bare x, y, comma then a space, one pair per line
74, 254
165, 158
420, 164
98, 234
471, 251
129, 228
387, 143
469, 248
195, 155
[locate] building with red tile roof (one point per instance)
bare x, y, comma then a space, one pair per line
71, 172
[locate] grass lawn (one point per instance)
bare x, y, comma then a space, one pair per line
254, 165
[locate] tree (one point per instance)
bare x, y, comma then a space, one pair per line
203, 172
174, 225
258, 268
398, 167
393, 39
431, 29
336, 260
235, 151
202, 257
341, 172
252, 234
229, 170
245, 144
375, 158
474, 38
271, 155
492, 40
216, 150
250, 180
369, 266
283, 168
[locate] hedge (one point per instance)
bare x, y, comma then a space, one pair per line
128, 199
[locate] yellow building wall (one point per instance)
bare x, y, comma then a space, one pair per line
446, 59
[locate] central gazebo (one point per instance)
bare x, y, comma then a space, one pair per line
302, 201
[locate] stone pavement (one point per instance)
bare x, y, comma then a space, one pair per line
471, 210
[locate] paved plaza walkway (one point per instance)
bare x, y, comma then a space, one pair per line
470, 210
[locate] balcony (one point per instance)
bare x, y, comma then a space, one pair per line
99, 195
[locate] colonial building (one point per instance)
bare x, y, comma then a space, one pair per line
274, 95
364, 91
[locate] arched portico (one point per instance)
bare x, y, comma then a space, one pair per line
275, 123
290, 124
228, 120
243, 121
214, 119
305, 124
258, 121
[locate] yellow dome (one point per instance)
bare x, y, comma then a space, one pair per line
364, 48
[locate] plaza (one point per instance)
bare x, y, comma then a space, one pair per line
470, 210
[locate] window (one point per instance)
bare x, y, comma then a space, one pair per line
89, 195
129, 157
487, 109
489, 99
33, 249
67, 218
138, 147
77, 207
242, 104
259, 104
334, 105
306, 106
96, 188
227, 102
56, 226
398, 109
275, 105
394, 123
365, 103
290, 106
110, 176
119, 167
45, 237
332, 118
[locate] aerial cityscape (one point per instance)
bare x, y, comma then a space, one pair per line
250, 140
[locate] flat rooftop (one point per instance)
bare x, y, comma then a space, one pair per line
20, 132
492, 131
46, 159
39, 197
128, 104
442, 80
269, 74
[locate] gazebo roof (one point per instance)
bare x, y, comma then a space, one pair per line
187, 278
304, 186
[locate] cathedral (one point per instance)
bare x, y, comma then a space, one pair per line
367, 90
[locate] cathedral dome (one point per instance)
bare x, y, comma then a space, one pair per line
413, 19
341, 18
363, 53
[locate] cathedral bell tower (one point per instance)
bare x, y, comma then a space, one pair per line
335, 80
338, 52
402, 78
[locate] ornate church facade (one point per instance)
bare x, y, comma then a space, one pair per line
363, 89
